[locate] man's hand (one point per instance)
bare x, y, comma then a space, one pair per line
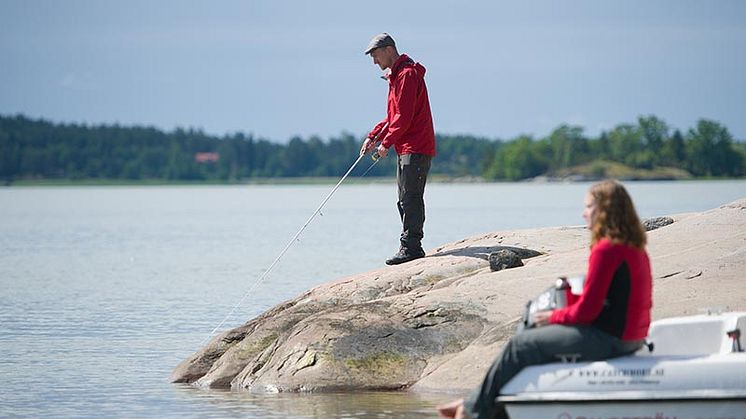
541, 318
382, 151
368, 145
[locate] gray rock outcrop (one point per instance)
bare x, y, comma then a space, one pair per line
437, 323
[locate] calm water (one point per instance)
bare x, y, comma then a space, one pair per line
105, 290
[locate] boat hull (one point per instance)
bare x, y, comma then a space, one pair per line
642, 409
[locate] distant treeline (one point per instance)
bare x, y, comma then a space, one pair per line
39, 149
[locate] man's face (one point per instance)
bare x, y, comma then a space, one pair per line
382, 57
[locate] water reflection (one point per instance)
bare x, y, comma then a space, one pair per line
313, 405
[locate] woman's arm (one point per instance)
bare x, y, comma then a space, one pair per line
602, 265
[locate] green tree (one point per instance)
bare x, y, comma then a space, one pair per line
568, 147
674, 150
297, 161
653, 134
601, 148
709, 149
625, 142
518, 159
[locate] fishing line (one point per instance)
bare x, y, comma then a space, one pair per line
370, 167
290, 243
287, 246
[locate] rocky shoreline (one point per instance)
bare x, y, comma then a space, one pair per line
437, 323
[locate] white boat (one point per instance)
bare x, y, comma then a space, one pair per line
696, 369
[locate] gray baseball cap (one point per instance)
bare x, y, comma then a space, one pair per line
380, 40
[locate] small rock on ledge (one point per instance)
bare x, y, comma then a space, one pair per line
504, 259
656, 222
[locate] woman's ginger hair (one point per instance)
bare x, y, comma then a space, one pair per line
616, 218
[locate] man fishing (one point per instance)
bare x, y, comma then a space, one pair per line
409, 128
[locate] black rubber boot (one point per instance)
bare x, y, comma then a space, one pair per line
405, 255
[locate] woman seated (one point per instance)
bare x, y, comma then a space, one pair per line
608, 320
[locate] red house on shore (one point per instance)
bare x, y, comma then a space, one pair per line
207, 157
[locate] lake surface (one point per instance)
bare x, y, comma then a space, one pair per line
106, 289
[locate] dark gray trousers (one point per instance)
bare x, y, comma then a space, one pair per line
411, 176
541, 346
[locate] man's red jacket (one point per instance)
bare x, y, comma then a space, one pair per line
410, 128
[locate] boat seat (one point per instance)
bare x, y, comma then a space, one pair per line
705, 334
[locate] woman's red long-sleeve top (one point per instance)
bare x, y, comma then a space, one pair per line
617, 294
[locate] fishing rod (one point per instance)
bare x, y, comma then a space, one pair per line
256, 283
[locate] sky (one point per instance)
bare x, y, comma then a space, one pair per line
278, 69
